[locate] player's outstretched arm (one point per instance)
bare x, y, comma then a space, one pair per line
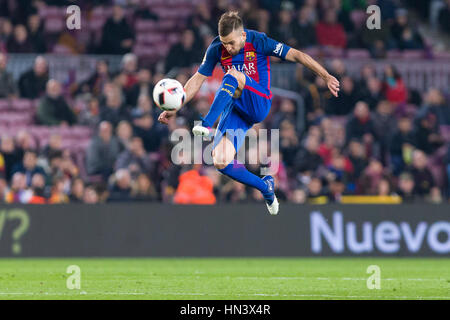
191, 87
298, 56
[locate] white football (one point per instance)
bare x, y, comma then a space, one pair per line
169, 94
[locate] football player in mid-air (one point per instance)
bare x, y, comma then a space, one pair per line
244, 97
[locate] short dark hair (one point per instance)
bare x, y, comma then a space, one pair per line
229, 21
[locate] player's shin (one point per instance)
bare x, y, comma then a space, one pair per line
239, 172
223, 97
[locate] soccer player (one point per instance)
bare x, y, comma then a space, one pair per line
244, 97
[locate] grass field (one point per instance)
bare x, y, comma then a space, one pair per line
224, 278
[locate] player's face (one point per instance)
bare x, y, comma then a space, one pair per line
234, 42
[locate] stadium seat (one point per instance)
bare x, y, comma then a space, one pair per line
4, 105
358, 18
358, 54
413, 54
54, 25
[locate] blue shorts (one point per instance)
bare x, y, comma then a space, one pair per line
242, 113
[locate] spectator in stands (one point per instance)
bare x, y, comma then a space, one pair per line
20, 43
36, 33
388, 10
303, 29
289, 142
143, 189
338, 68
403, 34
33, 82
3, 189
58, 195
135, 158
358, 158
384, 125
183, 54
117, 35
435, 196
376, 40
97, 80
90, 195
367, 72
444, 17
423, 179
435, 103
402, 144
287, 112
247, 11
340, 166
114, 109
371, 177
151, 133
54, 146
410, 40
393, 86
102, 151
283, 30
53, 110
124, 133
143, 87
18, 193
298, 196
5, 32
91, 115
8, 88
427, 135
37, 187
29, 166
54, 165
385, 187
361, 125
129, 69
65, 168
77, 191
406, 188
372, 93
346, 100
24, 141
447, 167
144, 12
336, 189
307, 158
145, 105
316, 194
120, 189
8, 156
263, 22
330, 32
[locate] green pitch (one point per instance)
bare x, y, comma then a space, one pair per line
224, 278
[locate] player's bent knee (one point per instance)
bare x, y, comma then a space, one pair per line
220, 164
239, 76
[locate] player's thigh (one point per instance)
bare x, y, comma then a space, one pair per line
229, 137
255, 102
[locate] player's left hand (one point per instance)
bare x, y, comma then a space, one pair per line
332, 84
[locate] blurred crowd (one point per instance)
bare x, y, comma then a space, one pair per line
299, 23
377, 138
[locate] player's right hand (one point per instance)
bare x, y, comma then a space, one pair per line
165, 116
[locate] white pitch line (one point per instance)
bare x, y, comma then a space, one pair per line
330, 279
223, 294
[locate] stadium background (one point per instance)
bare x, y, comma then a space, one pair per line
78, 127
387, 134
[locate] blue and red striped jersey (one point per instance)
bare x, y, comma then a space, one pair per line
253, 59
